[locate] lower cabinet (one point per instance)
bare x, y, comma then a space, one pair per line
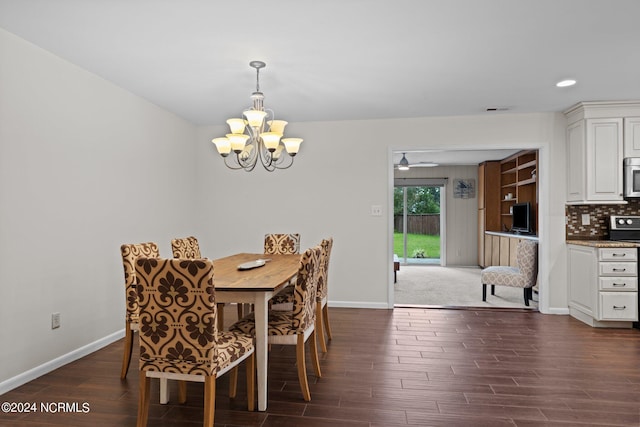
500, 249
603, 285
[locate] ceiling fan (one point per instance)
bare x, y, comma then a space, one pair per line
404, 164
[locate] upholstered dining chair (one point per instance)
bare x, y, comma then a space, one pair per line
189, 248
179, 338
522, 276
284, 300
322, 309
297, 326
130, 252
281, 244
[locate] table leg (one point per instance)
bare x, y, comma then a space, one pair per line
261, 316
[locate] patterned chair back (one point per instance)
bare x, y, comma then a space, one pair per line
130, 252
186, 248
305, 290
178, 331
281, 244
527, 260
326, 245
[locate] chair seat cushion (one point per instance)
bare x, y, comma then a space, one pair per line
231, 346
280, 323
504, 276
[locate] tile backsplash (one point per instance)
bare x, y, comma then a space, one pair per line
598, 229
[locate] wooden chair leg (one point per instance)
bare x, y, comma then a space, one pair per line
220, 316
314, 354
143, 399
325, 319
251, 381
484, 292
233, 382
526, 297
318, 327
302, 369
493, 289
240, 310
209, 400
182, 392
128, 348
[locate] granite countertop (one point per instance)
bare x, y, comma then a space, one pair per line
603, 243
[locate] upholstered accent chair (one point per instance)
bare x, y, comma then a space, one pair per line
297, 326
130, 252
522, 276
189, 248
179, 338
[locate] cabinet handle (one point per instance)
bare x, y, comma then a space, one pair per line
615, 307
618, 254
619, 284
619, 269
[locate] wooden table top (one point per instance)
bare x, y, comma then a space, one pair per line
273, 275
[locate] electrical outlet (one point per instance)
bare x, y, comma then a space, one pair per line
55, 320
376, 210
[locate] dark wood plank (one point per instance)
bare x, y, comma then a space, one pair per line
390, 368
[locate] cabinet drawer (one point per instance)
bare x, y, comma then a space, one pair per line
618, 284
618, 306
618, 254
617, 269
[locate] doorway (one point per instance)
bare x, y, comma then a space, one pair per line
417, 224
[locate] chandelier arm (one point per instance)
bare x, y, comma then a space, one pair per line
232, 166
285, 167
249, 163
265, 156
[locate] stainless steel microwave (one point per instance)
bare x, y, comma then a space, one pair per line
631, 177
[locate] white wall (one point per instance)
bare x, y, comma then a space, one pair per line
84, 167
345, 167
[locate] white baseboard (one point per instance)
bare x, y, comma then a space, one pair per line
357, 304
54, 364
557, 310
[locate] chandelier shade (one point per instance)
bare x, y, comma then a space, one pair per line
257, 136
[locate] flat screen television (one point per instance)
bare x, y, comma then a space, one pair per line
522, 218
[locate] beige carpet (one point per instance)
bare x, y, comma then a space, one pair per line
427, 285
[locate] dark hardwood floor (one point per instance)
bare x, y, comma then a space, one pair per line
384, 368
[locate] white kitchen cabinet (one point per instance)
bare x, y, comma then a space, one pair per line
632, 137
603, 285
599, 136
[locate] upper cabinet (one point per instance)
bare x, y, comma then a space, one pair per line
599, 136
632, 137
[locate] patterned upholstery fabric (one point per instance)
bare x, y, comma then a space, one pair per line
281, 244
284, 300
178, 331
298, 320
187, 248
326, 245
522, 276
130, 252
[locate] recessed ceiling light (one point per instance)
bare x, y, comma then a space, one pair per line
566, 83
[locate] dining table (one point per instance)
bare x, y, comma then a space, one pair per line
247, 278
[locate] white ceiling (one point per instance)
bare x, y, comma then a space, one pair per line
345, 59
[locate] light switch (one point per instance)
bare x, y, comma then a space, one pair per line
586, 219
376, 210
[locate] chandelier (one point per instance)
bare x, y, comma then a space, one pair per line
257, 135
